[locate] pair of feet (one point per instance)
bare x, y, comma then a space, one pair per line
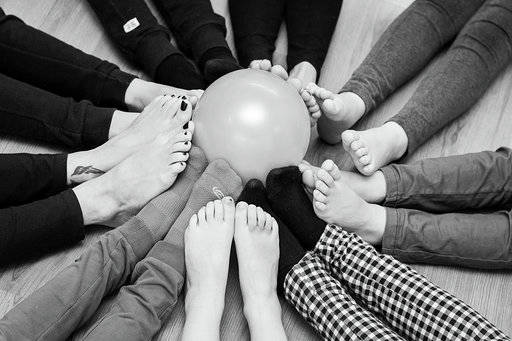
347, 199
302, 73
369, 149
208, 240
119, 177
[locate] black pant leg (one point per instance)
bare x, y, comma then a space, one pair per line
36, 227
136, 31
29, 177
186, 17
255, 26
34, 57
310, 26
29, 112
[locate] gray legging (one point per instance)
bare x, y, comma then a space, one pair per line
481, 32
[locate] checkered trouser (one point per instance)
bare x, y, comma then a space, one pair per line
325, 304
414, 307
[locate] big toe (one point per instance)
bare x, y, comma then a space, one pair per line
349, 136
330, 108
296, 83
330, 167
279, 71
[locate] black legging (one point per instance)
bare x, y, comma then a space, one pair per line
310, 25
37, 209
148, 44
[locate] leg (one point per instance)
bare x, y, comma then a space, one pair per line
157, 280
207, 250
63, 304
476, 240
327, 305
202, 32
255, 26
475, 181
33, 57
480, 52
138, 34
310, 25
407, 301
49, 223
29, 177
411, 41
257, 249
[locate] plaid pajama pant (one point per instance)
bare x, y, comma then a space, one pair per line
348, 291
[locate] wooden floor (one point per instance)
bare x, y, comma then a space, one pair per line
361, 22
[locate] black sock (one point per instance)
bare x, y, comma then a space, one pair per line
290, 248
176, 70
217, 62
290, 201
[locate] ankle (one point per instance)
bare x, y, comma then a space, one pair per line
398, 138
207, 300
121, 120
353, 104
97, 201
377, 192
375, 224
132, 95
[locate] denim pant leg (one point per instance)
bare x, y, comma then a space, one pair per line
475, 181
476, 240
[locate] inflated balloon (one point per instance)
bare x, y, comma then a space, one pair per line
254, 120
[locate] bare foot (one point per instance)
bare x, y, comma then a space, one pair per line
345, 108
278, 70
336, 203
208, 241
141, 93
257, 249
127, 187
309, 100
165, 116
305, 72
266, 65
376, 147
371, 188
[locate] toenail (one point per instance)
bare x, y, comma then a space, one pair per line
184, 105
185, 126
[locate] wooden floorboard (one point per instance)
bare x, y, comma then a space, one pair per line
486, 126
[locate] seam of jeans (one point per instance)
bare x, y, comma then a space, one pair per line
456, 257
393, 197
71, 306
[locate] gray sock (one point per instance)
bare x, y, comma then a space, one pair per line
161, 212
217, 181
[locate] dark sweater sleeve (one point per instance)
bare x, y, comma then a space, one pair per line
140, 308
43, 224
